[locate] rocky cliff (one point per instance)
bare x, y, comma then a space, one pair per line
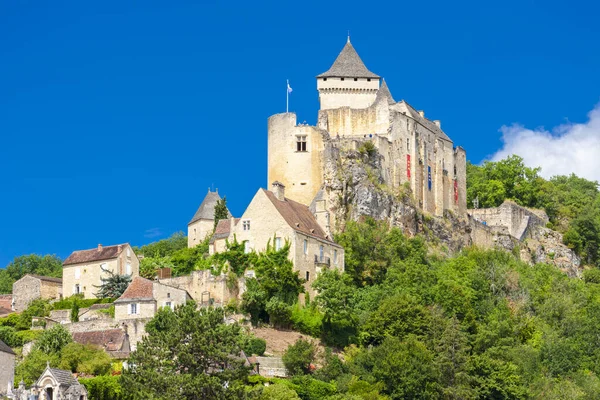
353, 189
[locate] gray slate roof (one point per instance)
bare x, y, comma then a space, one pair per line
5, 349
384, 93
348, 65
63, 377
207, 208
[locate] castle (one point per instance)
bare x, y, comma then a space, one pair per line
356, 106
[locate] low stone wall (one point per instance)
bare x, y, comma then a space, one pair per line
204, 287
510, 218
136, 328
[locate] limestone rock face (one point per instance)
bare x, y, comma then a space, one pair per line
353, 189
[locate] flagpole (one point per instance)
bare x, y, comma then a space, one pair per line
287, 96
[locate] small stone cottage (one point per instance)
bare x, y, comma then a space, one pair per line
32, 287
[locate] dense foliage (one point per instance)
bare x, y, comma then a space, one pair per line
221, 211
188, 354
48, 265
572, 203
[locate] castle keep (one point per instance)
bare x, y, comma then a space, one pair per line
356, 106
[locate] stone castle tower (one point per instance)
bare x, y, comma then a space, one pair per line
358, 107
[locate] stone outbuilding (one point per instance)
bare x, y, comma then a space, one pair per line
7, 368
144, 297
53, 384
203, 221
83, 270
32, 287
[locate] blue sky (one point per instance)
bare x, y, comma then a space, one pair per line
116, 117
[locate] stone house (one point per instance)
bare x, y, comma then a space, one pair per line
204, 287
7, 368
272, 218
32, 287
202, 223
143, 298
83, 269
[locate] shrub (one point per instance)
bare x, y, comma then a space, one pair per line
67, 304
8, 335
255, 345
279, 313
308, 320
52, 340
29, 335
104, 388
85, 359
299, 356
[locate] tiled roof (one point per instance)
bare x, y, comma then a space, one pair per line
109, 339
348, 65
384, 92
103, 253
207, 208
223, 228
63, 377
45, 278
298, 216
6, 300
5, 349
139, 288
5, 311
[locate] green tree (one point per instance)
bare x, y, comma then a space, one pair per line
299, 356
30, 369
165, 247
104, 388
187, 354
279, 391
84, 359
48, 265
53, 340
75, 311
113, 285
221, 211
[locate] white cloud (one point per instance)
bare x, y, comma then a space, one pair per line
568, 148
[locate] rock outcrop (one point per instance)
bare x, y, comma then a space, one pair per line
354, 188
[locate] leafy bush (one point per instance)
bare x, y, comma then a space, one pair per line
254, 345
9, 335
279, 313
308, 320
30, 369
52, 340
67, 303
37, 308
29, 335
104, 388
85, 359
299, 356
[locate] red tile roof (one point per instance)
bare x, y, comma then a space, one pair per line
110, 339
298, 216
139, 288
97, 254
6, 301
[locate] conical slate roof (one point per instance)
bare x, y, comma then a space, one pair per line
207, 208
348, 65
384, 93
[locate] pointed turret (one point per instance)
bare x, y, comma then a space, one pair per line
384, 93
348, 83
348, 64
202, 223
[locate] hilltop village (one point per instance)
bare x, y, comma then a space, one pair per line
368, 155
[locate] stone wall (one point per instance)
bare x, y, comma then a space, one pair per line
30, 288
7, 371
202, 285
510, 218
136, 328
198, 230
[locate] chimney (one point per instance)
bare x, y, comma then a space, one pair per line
438, 123
278, 190
422, 113
99, 247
